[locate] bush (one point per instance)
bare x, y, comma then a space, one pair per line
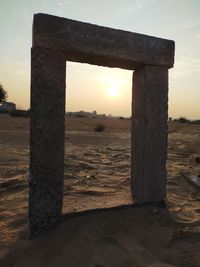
19, 113
195, 122
100, 128
80, 116
183, 120
170, 119
3, 111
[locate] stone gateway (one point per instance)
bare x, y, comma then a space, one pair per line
57, 40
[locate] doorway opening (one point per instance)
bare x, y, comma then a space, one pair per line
97, 137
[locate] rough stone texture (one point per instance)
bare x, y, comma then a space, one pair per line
48, 70
149, 133
84, 42
56, 40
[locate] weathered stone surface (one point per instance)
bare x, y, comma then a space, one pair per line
48, 70
149, 133
56, 40
84, 42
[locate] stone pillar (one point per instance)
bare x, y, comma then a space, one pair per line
47, 133
149, 134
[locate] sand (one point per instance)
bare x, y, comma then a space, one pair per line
97, 176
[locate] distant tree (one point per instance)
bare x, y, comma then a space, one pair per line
3, 94
170, 119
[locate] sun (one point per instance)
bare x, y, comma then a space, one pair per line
113, 91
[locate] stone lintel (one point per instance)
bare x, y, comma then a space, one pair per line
88, 43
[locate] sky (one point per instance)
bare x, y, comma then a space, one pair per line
106, 90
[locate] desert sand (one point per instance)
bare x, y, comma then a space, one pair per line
97, 176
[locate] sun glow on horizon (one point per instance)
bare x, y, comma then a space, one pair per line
113, 91
106, 90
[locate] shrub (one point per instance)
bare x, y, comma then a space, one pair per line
183, 120
195, 122
80, 116
100, 128
19, 113
170, 119
3, 111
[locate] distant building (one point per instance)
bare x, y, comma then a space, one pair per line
7, 106
82, 113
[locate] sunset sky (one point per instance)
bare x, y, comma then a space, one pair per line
103, 89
